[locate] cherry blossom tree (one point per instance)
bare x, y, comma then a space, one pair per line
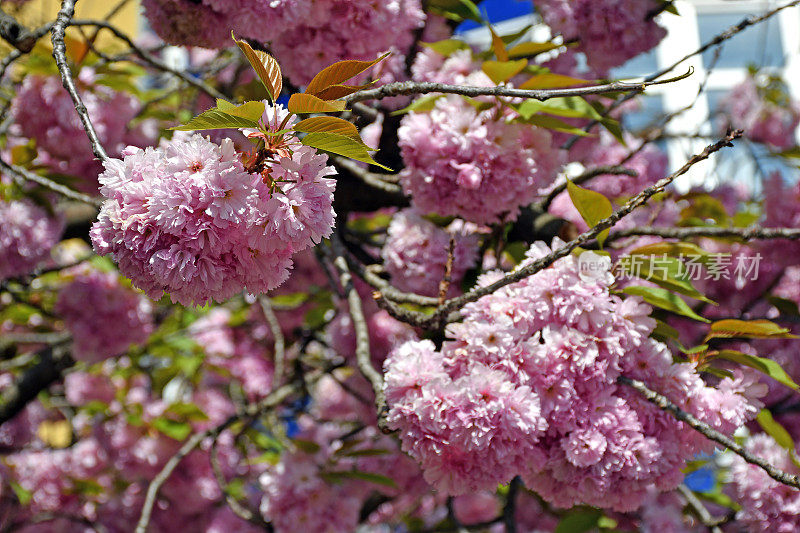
346, 271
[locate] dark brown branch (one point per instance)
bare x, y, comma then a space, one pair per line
664, 403
16, 34
53, 361
405, 88
378, 181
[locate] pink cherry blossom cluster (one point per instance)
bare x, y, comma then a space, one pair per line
27, 234
305, 35
767, 505
315, 34
309, 489
474, 164
188, 218
235, 350
747, 107
44, 111
416, 250
527, 385
609, 32
104, 316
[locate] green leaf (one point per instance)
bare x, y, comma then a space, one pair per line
372, 452
664, 271
592, 206
246, 115
502, 71
664, 299
664, 331
266, 67
552, 81
378, 479
339, 73
671, 249
784, 305
420, 105
613, 127
306, 103
569, 106
749, 329
23, 495
762, 364
289, 301
447, 47
579, 521
719, 498
552, 123
341, 145
306, 446
531, 49
498, 46
456, 9
328, 125
775, 430
186, 411
172, 428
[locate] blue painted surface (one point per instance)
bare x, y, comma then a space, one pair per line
498, 11
701, 480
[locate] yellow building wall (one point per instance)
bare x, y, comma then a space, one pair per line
123, 14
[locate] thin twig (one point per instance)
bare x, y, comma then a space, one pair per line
252, 410
435, 320
444, 285
699, 509
236, 507
15, 33
405, 88
277, 335
664, 403
50, 184
378, 181
746, 234
615, 170
363, 359
60, 55
151, 59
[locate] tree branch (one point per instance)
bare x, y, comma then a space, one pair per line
616, 170
363, 358
277, 335
405, 88
746, 234
378, 181
250, 411
151, 59
435, 320
60, 55
16, 34
664, 403
699, 509
53, 361
63, 190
